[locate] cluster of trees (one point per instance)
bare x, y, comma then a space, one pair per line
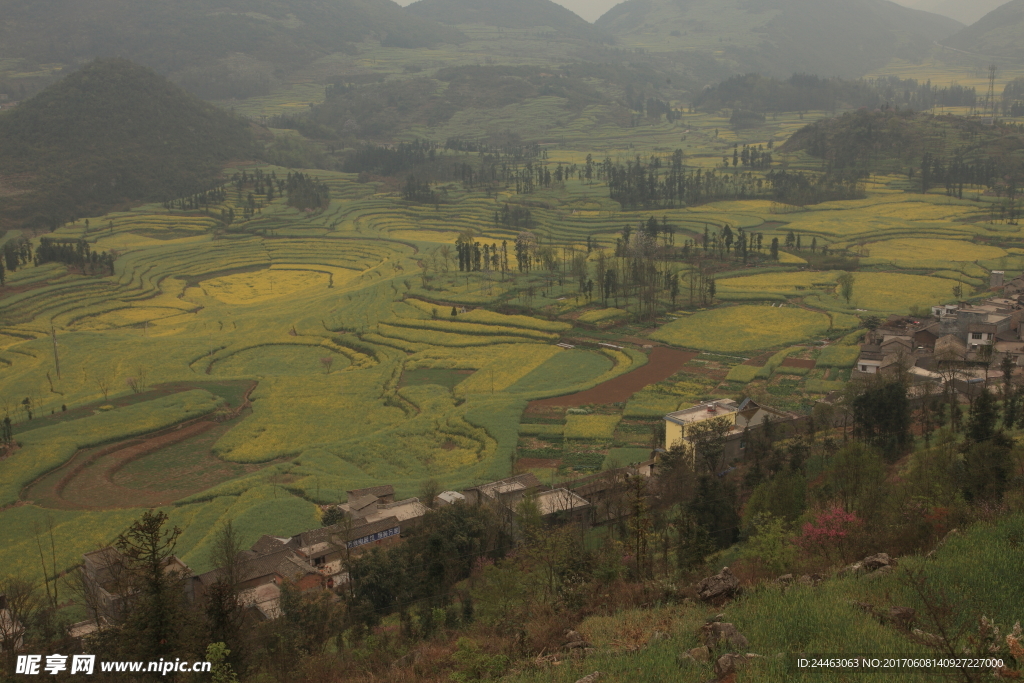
665, 184
518, 217
306, 192
15, 254
419, 191
757, 158
473, 256
658, 184
1005, 178
652, 107
76, 253
801, 189
201, 201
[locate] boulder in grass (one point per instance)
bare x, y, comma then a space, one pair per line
874, 562
721, 586
718, 633
729, 664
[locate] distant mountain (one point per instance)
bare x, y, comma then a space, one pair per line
998, 33
825, 37
110, 134
964, 11
523, 14
217, 48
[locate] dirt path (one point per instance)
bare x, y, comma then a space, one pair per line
662, 363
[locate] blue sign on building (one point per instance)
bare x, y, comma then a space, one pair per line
380, 535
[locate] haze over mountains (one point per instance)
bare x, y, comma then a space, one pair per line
826, 37
517, 14
237, 45
997, 34
965, 11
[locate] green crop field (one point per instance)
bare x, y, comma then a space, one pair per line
743, 328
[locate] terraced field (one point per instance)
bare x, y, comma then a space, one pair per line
344, 318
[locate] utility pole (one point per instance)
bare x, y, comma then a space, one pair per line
56, 356
991, 99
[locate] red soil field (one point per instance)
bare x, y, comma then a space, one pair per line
662, 363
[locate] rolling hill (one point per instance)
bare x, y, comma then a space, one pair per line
826, 37
218, 48
521, 14
996, 34
110, 134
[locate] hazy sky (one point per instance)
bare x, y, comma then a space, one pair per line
967, 11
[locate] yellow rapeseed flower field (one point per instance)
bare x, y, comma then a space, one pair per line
910, 250
591, 426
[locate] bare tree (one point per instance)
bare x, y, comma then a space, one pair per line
103, 382
18, 607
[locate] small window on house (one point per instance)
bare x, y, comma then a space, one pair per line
319, 561
975, 335
988, 336
863, 368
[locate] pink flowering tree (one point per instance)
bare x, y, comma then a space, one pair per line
831, 533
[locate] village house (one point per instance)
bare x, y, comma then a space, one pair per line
449, 498
108, 584
370, 505
508, 491
741, 419
561, 506
607, 491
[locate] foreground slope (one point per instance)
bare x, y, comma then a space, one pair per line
522, 14
996, 34
826, 37
112, 132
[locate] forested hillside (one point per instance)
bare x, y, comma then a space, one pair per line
112, 132
943, 149
378, 110
217, 49
825, 37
